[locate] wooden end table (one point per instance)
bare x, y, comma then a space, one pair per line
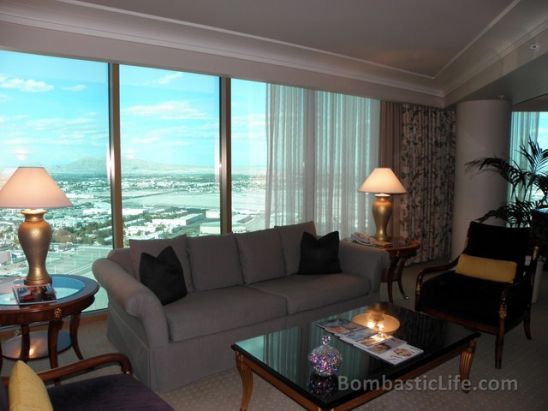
400, 251
74, 294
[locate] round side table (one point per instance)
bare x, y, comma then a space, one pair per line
400, 251
74, 294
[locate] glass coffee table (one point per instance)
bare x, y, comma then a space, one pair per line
281, 358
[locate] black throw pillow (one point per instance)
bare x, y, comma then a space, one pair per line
320, 255
163, 275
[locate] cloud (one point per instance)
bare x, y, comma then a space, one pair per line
76, 88
168, 78
28, 86
249, 127
167, 110
18, 141
59, 123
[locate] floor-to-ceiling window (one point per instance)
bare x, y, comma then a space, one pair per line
170, 153
249, 155
526, 128
54, 113
296, 155
300, 154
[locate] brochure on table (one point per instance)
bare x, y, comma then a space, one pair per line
383, 346
34, 294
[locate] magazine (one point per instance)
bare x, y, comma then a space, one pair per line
359, 334
339, 326
400, 354
380, 345
34, 294
366, 239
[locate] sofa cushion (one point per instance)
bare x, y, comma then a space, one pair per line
215, 311
215, 262
320, 255
155, 247
111, 392
261, 255
291, 236
307, 292
163, 275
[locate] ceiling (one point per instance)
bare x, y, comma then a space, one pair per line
419, 36
435, 52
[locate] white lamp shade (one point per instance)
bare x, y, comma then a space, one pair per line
32, 188
382, 180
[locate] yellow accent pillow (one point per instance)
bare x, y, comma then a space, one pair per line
502, 271
27, 391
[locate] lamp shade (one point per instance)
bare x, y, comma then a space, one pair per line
32, 188
382, 180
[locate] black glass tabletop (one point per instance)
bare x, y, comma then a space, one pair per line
284, 354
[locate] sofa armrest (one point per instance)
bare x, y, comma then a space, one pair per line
135, 298
366, 261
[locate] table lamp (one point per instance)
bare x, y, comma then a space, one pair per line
32, 189
383, 182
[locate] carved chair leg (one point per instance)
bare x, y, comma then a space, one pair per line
500, 334
498, 348
527, 324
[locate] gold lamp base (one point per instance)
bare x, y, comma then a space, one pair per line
34, 236
382, 210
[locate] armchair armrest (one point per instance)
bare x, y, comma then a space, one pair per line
362, 260
135, 298
83, 366
436, 269
428, 271
87, 365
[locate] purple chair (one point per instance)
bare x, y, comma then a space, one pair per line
111, 392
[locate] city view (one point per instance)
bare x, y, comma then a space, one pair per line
154, 206
54, 112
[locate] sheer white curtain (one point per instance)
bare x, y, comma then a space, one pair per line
524, 127
321, 146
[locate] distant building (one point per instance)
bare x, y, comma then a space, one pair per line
211, 228
213, 214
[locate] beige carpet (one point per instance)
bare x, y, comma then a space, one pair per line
523, 360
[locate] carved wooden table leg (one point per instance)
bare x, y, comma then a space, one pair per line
247, 380
399, 272
390, 276
74, 324
25, 343
53, 335
466, 358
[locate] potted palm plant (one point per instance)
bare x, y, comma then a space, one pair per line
528, 185
528, 194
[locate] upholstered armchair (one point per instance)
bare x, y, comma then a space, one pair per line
109, 392
488, 287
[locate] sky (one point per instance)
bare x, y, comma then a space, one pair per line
54, 111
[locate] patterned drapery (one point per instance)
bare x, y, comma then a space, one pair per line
427, 170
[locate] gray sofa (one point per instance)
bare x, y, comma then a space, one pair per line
240, 285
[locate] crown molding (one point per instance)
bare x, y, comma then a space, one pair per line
83, 18
486, 58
